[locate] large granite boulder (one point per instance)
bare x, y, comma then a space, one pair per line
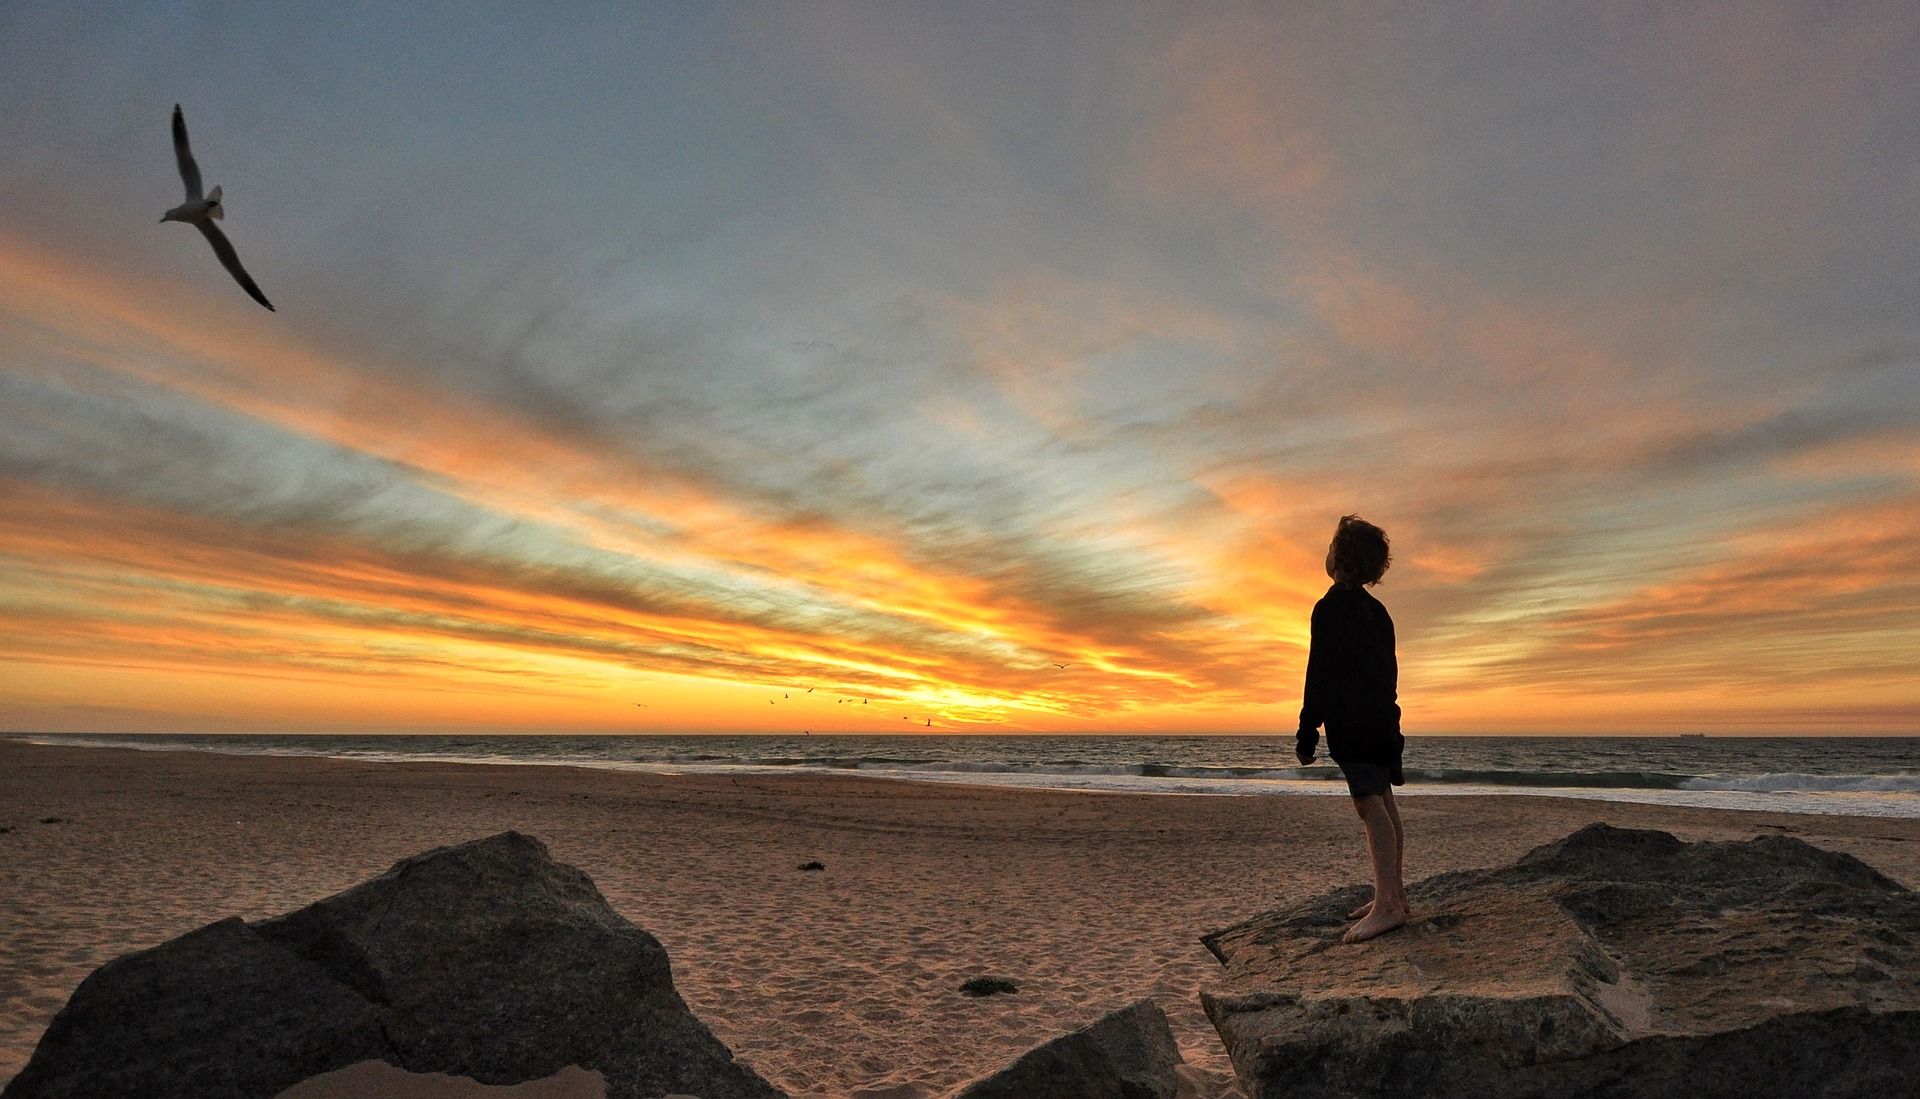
1611, 963
1129, 1054
488, 960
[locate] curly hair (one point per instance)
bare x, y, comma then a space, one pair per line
1359, 554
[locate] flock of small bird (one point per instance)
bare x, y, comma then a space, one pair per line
786, 696
928, 722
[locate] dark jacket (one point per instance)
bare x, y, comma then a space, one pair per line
1352, 679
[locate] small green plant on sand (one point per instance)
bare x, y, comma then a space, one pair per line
988, 986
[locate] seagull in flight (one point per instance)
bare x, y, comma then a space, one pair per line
202, 210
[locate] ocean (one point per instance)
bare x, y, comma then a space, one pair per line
1852, 776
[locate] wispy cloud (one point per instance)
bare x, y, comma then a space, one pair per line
884, 350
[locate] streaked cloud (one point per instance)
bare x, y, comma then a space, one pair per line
911, 352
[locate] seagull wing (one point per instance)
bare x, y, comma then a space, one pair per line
230, 259
190, 173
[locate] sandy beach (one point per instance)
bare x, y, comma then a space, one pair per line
841, 982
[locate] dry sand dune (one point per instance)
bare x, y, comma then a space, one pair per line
841, 982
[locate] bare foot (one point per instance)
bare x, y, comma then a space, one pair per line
1378, 922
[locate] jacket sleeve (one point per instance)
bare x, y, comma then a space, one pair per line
1313, 705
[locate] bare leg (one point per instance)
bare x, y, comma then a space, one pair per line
1384, 845
1361, 912
1399, 843
1399, 848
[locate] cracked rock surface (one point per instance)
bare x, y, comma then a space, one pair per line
1614, 962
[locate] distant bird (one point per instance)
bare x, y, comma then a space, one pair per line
1063, 666
809, 690
929, 723
642, 705
201, 211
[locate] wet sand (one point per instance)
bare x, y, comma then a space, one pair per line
840, 982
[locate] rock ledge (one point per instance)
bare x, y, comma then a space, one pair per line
1612, 962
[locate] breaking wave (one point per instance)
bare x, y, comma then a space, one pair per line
1865, 775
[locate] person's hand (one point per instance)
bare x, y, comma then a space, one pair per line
1304, 755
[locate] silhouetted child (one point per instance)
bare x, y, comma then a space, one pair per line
1352, 683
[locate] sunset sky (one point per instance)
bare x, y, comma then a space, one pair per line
638, 370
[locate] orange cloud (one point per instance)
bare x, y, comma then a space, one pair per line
1811, 617
1487, 424
1224, 116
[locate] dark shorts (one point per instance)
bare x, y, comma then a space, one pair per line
1366, 780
